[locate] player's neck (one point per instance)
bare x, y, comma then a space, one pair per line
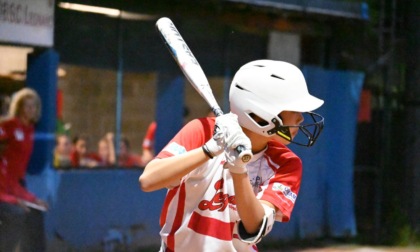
258, 142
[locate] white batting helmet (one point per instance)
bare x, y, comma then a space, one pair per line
265, 88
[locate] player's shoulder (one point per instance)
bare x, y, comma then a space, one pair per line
205, 123
199, 128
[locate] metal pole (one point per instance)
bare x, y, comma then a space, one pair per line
119, 93
379, 168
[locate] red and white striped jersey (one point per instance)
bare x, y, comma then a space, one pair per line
199, 212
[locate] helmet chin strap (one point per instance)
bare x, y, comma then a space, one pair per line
280, 130
284, 131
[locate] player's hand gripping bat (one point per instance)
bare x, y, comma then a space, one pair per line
192, 70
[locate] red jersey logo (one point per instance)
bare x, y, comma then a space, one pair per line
219, 201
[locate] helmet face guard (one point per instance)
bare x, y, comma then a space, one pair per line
309, 131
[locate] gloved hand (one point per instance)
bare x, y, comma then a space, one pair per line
234, 159
214, 146
226, 125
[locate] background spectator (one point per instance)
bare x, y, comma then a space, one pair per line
19, 223
79, 155
148, 152
106, 151
62, 151
148, 144
126, 158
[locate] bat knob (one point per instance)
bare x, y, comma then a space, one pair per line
245, 158
244, 154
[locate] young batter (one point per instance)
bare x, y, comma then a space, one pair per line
215, 202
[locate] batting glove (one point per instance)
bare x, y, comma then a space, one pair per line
225, 125
215, 145
234, 159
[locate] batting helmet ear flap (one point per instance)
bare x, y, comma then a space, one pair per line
258, 120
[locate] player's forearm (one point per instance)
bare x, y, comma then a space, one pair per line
249, 207
161, 173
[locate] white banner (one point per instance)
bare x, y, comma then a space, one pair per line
27, 22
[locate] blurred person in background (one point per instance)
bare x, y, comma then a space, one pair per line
105, 155
20, 222
62, 151
80, 157
148, 145
148, 152
126, 158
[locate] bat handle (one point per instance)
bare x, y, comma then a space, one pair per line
244, 154
217, 111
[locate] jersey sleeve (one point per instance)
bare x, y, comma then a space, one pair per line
193, 135
283, 187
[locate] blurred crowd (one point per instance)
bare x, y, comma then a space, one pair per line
73, 152
76, 152
21, 211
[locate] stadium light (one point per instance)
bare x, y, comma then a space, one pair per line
115, 13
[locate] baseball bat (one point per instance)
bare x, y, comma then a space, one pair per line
192, 70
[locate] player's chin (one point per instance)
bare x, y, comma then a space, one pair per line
281, 140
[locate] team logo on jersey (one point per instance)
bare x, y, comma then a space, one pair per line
220, 200
2, 132
175, 148
287, 192
19, 135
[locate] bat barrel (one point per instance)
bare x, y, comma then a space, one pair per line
192, 70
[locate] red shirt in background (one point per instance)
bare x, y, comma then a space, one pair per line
17, 141
88, 160
149, 138
129, 161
